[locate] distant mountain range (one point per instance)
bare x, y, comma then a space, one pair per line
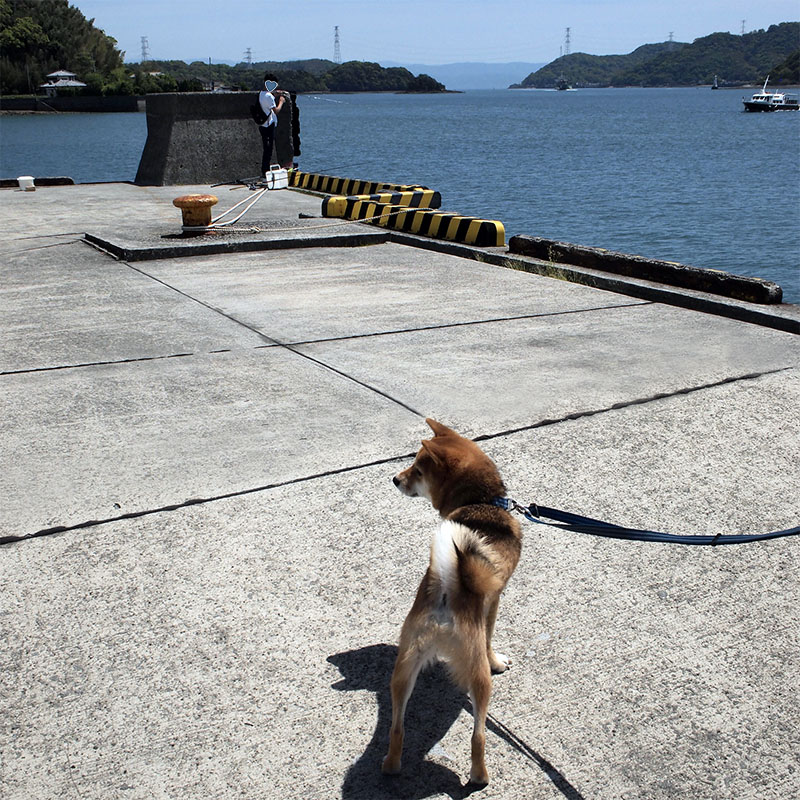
734, 59
472, 75
460, 76
40, 36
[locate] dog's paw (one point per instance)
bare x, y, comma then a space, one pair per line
479, 777
499, 662
389, 767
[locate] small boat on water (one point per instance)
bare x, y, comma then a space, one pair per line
771, 101
562, 84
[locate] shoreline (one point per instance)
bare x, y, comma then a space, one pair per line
26, 105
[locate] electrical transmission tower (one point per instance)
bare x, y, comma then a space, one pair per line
145, 50
743, 22
566, 44
248, 57
337, 53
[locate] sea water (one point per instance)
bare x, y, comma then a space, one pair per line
88, 148
678, 174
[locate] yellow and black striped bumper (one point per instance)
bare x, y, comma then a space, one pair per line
426, 222
346, 186
412, 209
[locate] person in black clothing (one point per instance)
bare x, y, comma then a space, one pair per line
270, 105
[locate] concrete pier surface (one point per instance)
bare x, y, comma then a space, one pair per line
206, 564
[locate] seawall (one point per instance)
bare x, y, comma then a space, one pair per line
198, 137
74, 104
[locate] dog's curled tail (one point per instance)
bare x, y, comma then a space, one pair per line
462, 559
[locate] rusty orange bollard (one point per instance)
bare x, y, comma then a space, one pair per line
196, 209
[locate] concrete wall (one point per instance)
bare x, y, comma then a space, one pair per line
713, 281
206, 138
75, 103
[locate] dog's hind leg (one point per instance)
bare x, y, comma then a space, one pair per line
406, 669
497, 661
479, 694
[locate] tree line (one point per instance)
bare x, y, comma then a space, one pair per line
38, 37
312, 75
735, 60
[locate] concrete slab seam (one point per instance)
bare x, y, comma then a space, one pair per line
197, 501
265, 337
13, 539
46, 236
279, 343
639, 401
58, 367
641, 289
489, 321
325, 340
208, 306
358, 382
39, 247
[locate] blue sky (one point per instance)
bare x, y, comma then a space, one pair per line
416, 31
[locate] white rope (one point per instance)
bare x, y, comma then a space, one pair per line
338, 222
215, 223
233, 208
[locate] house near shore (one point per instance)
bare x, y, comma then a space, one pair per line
218, 88
61, 80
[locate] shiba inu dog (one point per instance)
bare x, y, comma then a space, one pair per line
473, 554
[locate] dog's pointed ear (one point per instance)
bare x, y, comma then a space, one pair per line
439, 429
430, 448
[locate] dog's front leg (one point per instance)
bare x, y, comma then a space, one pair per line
404, 676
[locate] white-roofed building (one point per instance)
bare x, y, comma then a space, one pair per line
61, 80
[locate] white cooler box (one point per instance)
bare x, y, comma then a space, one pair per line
277, 178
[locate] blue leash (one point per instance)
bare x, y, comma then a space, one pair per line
579, 524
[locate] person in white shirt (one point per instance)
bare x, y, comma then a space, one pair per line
267, 129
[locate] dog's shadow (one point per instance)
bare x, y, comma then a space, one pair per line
432, 709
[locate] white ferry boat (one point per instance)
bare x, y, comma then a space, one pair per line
771, 101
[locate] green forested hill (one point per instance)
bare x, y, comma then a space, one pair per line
301, 76
317, 75
41, 36
788, 71
38, 37
582, 69
734, 59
